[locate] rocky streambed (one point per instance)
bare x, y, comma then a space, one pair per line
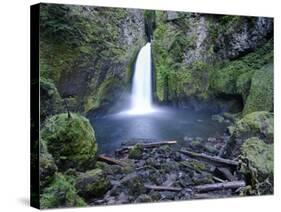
72, 174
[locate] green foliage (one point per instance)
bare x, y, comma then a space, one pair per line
70, 140
261, 91
61, 193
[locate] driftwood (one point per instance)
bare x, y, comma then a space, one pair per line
162, 188
146, 145
201, 172
212, 159
110, 160
220, 186
209, 196
226, 173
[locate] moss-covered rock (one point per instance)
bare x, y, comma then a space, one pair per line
257, 158
50, 99
71, 141
135, 185
261, 92
135, 152
47, 166
258, 124
93, 183
61, 193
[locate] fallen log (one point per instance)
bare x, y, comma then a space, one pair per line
147, 145
210, 196
220, 186
226, 173
111, 161
212, 159
162, 188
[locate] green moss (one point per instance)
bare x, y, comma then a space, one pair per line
47, 166
106, 94
234, 77
71, 141
93, 183
50, 99
196, 165
135, 152
257, 123
261, 92
60, 193
259, 155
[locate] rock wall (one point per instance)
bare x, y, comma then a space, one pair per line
203, 59
88, 52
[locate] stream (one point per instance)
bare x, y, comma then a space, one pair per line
164, 124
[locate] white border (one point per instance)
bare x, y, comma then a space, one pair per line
14, 119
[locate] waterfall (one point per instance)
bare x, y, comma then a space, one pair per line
141, 99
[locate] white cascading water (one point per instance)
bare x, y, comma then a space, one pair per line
141, 100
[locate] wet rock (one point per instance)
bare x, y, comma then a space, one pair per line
155, 196
122, 198
218, 118
134, 184
167, 195
143, 198
92, 183
187, 139
202, 178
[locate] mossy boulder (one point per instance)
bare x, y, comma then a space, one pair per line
71, 141
50, 99
47, 166
257, 157
135, 185
258, 124
93, 183
61, 193
135, 152
261, 92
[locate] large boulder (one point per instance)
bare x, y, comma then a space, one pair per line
60, 193
261, 92
47, 166
93, 183
258, 124
71, 141
257, 158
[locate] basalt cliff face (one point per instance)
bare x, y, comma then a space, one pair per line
216, 62
88, 53
203, 59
